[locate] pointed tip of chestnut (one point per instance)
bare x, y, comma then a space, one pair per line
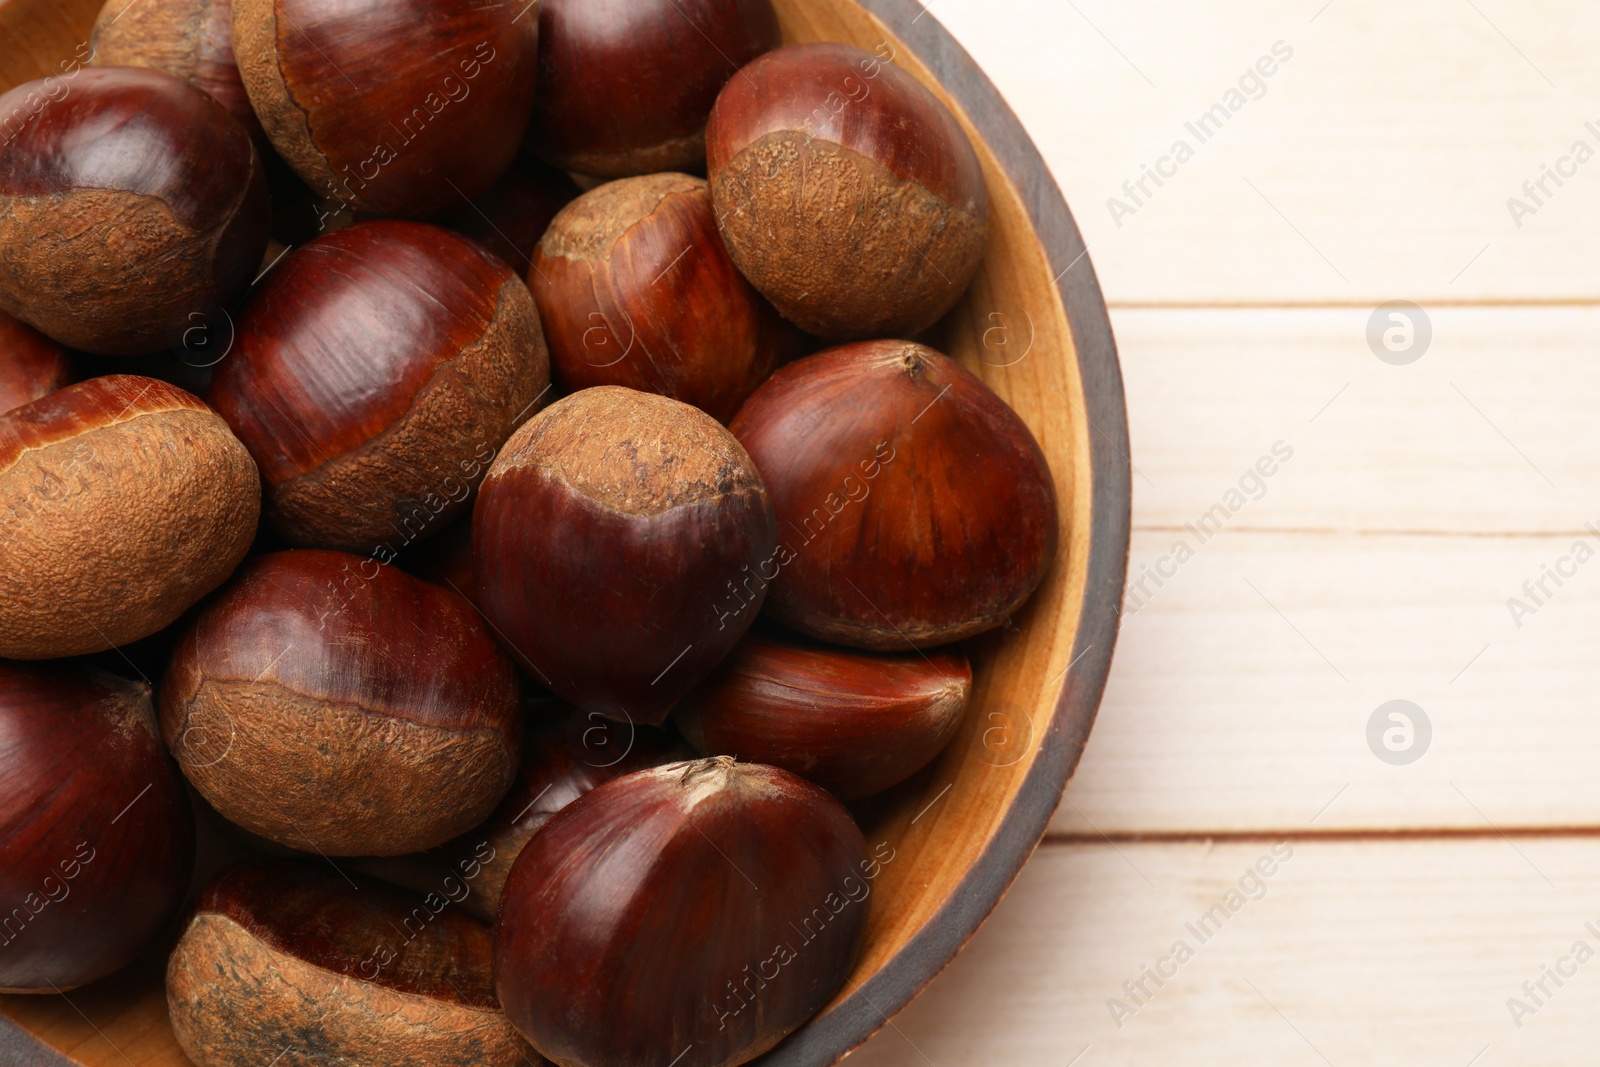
734, 897
915, 508
282, 953
855, 723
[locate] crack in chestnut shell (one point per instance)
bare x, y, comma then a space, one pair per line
633, 514
846, 192
392, 107
377, 373
132, 202
96, 832
282, 956
625, 88
629, 921
635, 288
31, 365
333, 705
123, 501
914, 507
189, 39
854, 723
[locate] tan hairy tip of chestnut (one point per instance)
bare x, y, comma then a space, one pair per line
123, 501
855, 723
334, 705
635, 288
287, 963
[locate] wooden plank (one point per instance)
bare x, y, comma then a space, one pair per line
1479, 435
1376, 953
33, 36
1243, 688
1377, 164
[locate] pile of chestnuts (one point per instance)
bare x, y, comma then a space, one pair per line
424, 462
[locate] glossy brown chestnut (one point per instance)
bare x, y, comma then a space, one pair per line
375, 375
855, 723
31, 365
847, 193
391, 107
191, 39
129, 201
914, 507
714, 906
332, 704
96, 834
635, 288
625, 88
510, 218
283, 956
631, 512
123, 500
566, 753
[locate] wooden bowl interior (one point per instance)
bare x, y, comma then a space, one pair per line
1012, 330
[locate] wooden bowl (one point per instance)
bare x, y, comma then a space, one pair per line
1035, 328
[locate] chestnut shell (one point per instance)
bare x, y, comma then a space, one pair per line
635, 288
376, 374
127, 206
846, 191
287, 956
625, 87
96, 832
603, 537
855, 723
391, 107
914, 507
123, 501
698, 910
31, 365
334, 705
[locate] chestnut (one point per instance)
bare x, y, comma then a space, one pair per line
391, 107
711, 905
847, 193
332, 704
285, 963
31, 365
625, 89
510, 218
635, 288
375, 375
915, 507
123, 500
96, 833
855, 723
129, 202
566, 753
191, 39
632, 512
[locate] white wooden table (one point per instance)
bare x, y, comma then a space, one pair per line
1440, 911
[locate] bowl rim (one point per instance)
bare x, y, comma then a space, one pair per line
829, 1037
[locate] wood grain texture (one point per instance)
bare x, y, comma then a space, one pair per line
1358, 952
1476, 437
1376, 165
